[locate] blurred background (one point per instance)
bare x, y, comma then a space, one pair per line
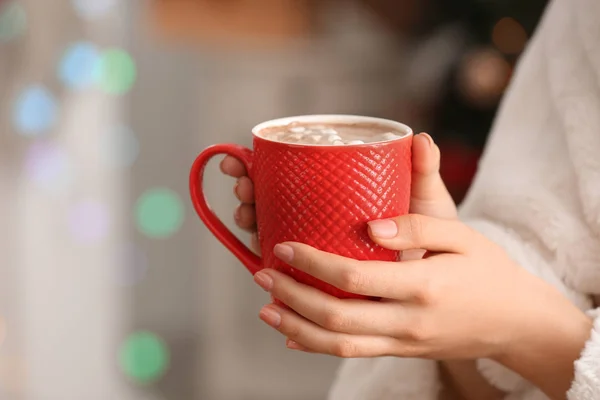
110, 287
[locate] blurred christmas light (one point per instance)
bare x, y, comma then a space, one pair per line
121, 147
80, 65
47, 165
133, 266
509, 36
13, 20
159, 213
91, 9
483, 76
89, 221
144, 357
117, 71
35, 111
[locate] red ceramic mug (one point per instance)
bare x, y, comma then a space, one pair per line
322, 196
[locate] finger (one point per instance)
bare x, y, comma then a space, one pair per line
290, 344
233, 167
244, 190
429, 195
414, 254
254, 243
245, 217
358, 317
320, 340
416, 231
392, 280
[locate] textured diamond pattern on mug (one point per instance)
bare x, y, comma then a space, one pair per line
324, 198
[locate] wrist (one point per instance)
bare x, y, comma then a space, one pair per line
464, 379
547, 343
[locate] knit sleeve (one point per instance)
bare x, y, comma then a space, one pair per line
586, 385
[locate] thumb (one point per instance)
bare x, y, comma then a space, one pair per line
429, 195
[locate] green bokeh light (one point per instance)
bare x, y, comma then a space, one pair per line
144, 357
159, 213
117, 71
13, 21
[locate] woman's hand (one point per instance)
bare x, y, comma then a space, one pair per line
429, 196
245, 213
466, 301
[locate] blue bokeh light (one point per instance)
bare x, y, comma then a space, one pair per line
35, 111
80, 65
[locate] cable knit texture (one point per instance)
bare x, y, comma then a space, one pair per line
537, 194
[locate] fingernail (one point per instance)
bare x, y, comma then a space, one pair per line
383, 228
290, 344
270, 317
284, 252
263, 280
429, 138
235, 189
237, 213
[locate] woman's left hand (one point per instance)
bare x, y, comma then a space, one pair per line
467, 300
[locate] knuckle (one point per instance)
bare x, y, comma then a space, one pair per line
290, 329
418, 330
409, 351
415, 226
309, 264
345, 348
288, 297
352, 279
427, 291
281, 292
334, 319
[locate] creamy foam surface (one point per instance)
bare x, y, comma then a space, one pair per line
338, 134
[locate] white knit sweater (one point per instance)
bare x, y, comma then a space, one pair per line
537, 194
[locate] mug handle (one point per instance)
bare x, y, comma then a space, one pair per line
250, 260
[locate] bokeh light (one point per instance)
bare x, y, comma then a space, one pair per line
80, 65
133, 266
117, 71
159, 213
89, 221
48, 165
483, 76
509, 36
121, 147
35, 111
144, 357
92, 9
13, 20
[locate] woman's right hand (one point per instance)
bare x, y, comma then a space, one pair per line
245, 213
428, 197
